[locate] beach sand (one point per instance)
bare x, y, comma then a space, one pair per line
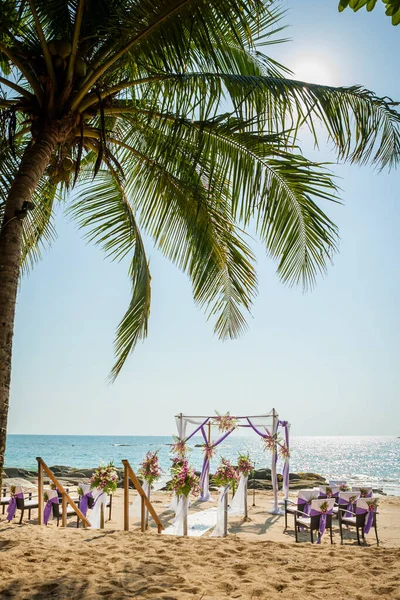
256, 560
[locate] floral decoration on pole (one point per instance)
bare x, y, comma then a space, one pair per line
284, 451
179, 447
226, 474
150, 469
105, 479
244, 466
184, 479
270, 441
225, 422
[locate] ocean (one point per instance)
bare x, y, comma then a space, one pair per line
362, 460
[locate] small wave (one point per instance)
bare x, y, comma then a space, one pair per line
123, 444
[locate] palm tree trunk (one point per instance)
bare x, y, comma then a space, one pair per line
33, 164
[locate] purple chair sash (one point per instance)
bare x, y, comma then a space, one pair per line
369, 516
48, 508
322, 521
12, 506
83, 505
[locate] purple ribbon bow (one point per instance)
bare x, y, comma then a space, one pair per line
12, 506
370, 518
48, 509
84, 503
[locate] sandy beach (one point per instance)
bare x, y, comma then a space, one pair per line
256, 560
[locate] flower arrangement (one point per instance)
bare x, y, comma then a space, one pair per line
46, 496
284, 451
324, 507
328, 491
244, 465
209, 450
372, 504
149, 469
105, 478
343, 487
364, 492
270, 441
179, 447
12, 490
225, 422
184, 480
226, 474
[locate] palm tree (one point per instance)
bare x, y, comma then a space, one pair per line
167, 118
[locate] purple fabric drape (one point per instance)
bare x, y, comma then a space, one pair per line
205, 471
83, 505
322, 521
196, 430
48, 508
369, 519
12, 506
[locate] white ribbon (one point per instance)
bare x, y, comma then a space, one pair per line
238, 506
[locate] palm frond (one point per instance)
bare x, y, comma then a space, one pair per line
103, 208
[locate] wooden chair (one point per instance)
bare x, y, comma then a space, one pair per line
365, 492
346, 502
363, 518
328, 491
304, 498
312, 521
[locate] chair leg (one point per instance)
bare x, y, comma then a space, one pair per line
331, 534
311, 535
358, 536
295, 529
285, 522
376, 535
341, 531
22, 514
109, 512
29, 514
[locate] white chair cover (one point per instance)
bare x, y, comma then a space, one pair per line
308, 495
238, 504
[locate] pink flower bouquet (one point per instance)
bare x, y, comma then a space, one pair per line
149, 469
226, 474
184, 480
105, 478
244, 466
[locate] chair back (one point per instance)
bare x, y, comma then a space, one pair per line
329, 491
322, 505
306, 496
364, 505
18, 492
346, 498
365, 492
86, 488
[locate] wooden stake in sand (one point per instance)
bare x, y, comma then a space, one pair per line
145, 502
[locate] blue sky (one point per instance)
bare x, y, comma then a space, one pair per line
327, 360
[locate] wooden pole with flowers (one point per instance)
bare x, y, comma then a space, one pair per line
150, 471
223, 478
183, 483
104, 482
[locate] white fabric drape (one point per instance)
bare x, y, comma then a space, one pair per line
238, 504
135, 509
100, 499
181, 515
219, 527
173, 505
